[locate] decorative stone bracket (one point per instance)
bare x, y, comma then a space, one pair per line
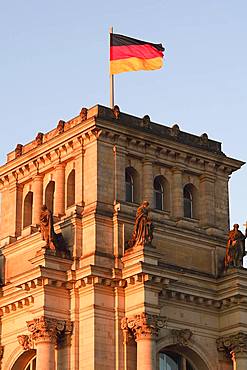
47, 329
181, 337
142, 326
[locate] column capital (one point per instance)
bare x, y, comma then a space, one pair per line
233, 345
38, 177
207, 177
60, 165
177, 170
48, 330
143, 326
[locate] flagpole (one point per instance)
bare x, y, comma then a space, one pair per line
111, 81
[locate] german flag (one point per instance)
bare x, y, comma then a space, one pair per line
128, 54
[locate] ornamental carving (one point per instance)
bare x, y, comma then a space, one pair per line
182, 337
116, 111
18, 150
46, 329
234, 344
175, 130
142, 326
25, 341
39, 138
64, 335
83, 114
143, 228
146, 122
204, 139
60, 127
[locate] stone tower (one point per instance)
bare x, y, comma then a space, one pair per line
101, 305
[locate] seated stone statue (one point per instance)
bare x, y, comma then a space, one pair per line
235, 248
143, 228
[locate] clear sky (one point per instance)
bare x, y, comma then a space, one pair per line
54, 60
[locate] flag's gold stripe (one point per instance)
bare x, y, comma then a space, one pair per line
135, 64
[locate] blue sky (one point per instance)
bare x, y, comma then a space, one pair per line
54, 60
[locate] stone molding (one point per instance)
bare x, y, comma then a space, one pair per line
233, 346
181, 337
142, 326
219, 304
16, 305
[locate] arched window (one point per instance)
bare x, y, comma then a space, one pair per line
26, 361
49, 195
31, 365
131, 185
161, 193
28, 209
71, 189
190, 201
174, 361
158, 193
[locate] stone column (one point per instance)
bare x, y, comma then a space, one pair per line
235, 348
45, 333
148, 188
63, 347
177, 193
144, 328
240, 359
59, 208
146, 351
37, 198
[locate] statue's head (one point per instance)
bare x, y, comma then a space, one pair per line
145, 203
235, 226
43, 208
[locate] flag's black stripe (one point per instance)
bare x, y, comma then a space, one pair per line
121, 40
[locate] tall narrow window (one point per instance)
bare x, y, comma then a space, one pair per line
49, 195
188, 202
158, 193
28, 209
129, 186
132, 185
71, 189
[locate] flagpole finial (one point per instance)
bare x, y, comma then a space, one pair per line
111, 80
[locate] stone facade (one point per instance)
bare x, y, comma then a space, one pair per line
103, 306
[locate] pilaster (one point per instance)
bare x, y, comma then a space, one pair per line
207, 209
177, 193
148, 181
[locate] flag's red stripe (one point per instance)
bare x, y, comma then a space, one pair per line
145, 51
